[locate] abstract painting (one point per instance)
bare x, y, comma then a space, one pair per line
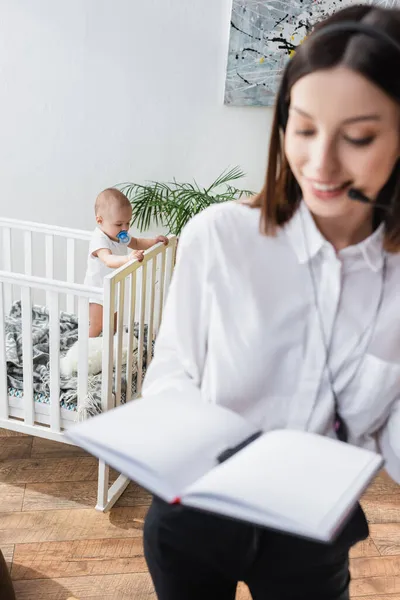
264, 34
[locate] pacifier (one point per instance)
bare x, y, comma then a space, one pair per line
124, 237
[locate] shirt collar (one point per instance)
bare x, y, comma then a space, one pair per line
371, 249
307, 241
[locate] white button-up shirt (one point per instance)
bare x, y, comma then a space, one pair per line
241, 328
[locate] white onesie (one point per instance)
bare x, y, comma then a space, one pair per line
96, 270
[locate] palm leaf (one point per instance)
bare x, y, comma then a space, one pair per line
147, 204
185, 204
173, 204
225, 177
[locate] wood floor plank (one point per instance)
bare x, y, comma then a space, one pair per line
42, 448
365, 548
386, 537
383, 566
383, 510
8, 552
54, 560
134, 586
49, 496
381, 502
6, 433
59, 496
16, 447
78, 524
43, 470
375, 585
375, 597
382, 485
134, 495
11, 497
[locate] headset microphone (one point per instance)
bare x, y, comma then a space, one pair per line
355, 194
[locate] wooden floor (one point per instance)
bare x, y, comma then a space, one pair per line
58, 546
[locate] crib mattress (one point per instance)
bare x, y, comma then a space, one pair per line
41, 371
40, 398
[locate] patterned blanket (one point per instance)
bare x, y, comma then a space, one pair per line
41, 367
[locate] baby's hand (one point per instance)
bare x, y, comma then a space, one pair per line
162, 239
138, 254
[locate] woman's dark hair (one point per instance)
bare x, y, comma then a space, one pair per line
371, 56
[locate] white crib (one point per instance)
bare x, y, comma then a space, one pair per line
51, 262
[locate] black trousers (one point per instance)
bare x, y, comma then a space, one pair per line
196, 556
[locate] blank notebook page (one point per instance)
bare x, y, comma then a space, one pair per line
300, 476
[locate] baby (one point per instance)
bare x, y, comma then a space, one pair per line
106, 252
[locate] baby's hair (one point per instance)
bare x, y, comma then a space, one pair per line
108, 198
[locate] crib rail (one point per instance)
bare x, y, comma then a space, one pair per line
53, 288
133, 297
49, 233
143, 287
78, 234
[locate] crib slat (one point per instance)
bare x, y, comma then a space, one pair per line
28, 252
7, 266
150, 333
6, 248
131, 332
54, 324
108, 342
162, 284
49, 257
172, 256
83, 348
3, 363
49, 244
120, 316
143, 297
27, 354
70, 272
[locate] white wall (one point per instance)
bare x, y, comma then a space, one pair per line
96, 92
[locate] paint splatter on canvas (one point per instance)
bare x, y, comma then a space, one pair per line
263, 35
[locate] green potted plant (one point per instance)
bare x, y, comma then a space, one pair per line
171, 205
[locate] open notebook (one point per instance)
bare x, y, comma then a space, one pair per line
293, 481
